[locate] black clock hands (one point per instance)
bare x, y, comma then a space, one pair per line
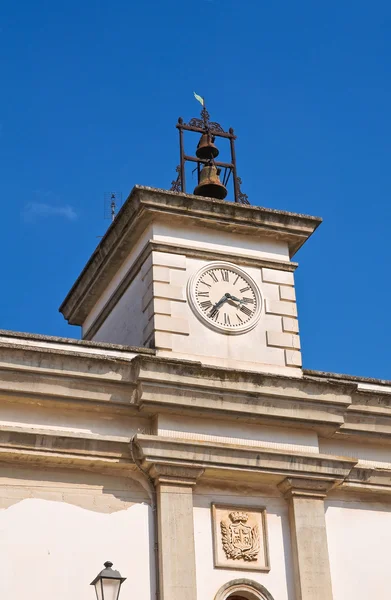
216, 306
234, 298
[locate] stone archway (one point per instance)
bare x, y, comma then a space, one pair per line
243, 589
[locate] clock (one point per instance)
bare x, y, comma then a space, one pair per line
225, 298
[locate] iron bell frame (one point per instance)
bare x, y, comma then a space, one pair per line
204, 125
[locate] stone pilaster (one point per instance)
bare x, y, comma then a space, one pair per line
308, 537
177, 565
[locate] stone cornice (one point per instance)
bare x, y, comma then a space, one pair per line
144, 204
54, 448
258, 463
164, 385
145, 385
40, 340
184, 462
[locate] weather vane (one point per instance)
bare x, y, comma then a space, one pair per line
208, 169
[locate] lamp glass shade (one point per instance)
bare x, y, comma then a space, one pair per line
98, 589
110, 588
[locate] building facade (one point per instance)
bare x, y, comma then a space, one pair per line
181, 438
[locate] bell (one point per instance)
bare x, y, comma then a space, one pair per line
209, 184
206, 148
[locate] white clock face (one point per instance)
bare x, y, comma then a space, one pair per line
225, 297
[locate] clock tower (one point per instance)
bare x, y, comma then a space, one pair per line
194, 276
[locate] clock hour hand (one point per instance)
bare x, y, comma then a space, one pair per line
218, 304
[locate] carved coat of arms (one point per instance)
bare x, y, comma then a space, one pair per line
239, 540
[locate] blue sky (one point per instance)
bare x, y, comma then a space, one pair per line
91, 92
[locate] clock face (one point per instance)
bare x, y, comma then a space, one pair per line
225, 298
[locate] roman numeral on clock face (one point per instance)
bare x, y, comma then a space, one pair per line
245, 289
206, 304
246, 310
248, 300
205, 294
225, 275
214, 276
226, 319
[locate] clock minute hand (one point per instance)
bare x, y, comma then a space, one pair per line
234, 298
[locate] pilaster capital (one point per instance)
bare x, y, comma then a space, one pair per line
297, 487
175, 474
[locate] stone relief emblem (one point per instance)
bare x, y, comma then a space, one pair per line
240, 541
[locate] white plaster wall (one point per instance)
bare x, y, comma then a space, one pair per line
54, 543
359, 536
233, 432
213, 239
125, 324
279, 581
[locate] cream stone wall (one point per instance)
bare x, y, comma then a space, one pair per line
268, 344
376, 454
125, 325
221, 241
153, 309
279, 580
233, 432
118, 278
359, 534
58, 527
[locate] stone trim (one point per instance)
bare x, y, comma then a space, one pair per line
283, 340
175, 475
252, 590
306, 488
247, 260
281, 307
286, 335
167, 279
277, 276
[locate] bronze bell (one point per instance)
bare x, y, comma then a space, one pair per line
209, 184
206, 148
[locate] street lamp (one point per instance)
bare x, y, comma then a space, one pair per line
108, 583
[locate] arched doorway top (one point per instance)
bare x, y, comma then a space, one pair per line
245, 588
